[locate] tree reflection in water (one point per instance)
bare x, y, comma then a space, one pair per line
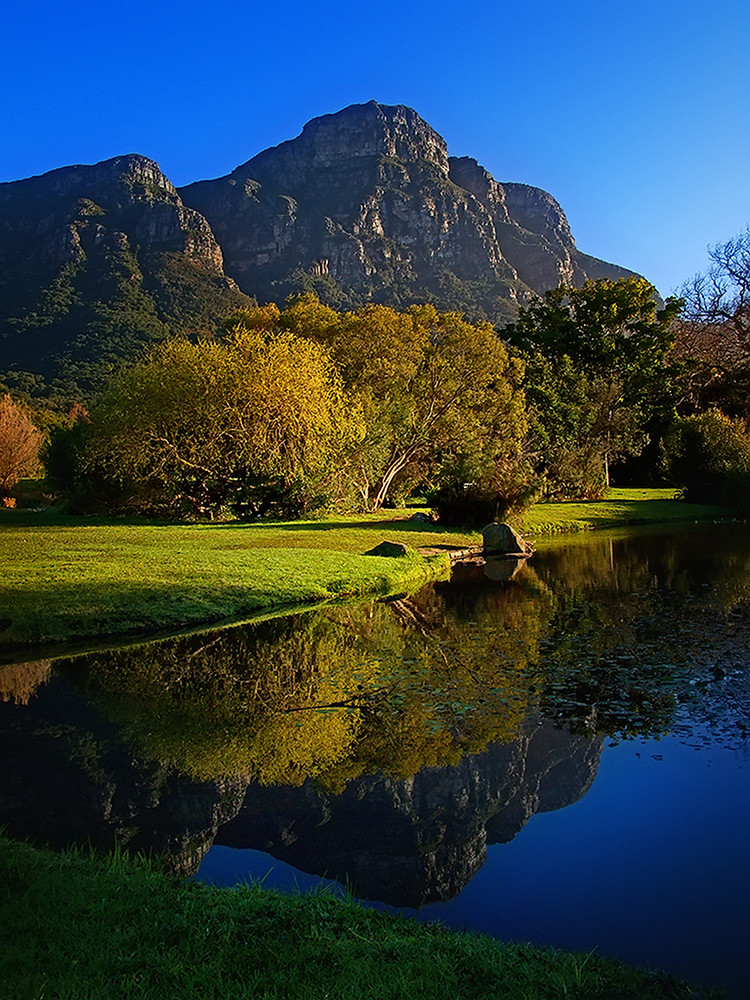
598, 637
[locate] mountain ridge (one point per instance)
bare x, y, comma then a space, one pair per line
365, 205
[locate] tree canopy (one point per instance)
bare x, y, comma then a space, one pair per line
438, 396
20, 441
250, 424
714, 338
596, 374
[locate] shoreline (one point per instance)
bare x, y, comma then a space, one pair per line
75, 584
115, 928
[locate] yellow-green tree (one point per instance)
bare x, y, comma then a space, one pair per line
438, 395
251, 424
437, 392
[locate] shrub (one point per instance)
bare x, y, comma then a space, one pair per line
472, 505
20, 441
709, 455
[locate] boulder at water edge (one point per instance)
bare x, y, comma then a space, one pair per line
501, 538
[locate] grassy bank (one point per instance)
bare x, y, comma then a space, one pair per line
78, 928
67, 580
71, 579
621, 507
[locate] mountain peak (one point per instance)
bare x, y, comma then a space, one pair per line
374, 129
364, 205
359, 133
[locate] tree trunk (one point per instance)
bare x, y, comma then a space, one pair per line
393, 468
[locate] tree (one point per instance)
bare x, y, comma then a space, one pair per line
20, 441
709, 455
438, 396
64, 449
721, 295
599, 352
572, 426
714, 338
250, 425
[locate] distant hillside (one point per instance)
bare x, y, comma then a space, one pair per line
365, 205
96, 262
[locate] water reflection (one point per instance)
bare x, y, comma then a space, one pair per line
410, 841
387, 743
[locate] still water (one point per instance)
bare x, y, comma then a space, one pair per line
554, 752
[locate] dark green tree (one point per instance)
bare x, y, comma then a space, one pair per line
597, 375
709, 455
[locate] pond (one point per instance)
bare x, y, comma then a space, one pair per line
552, 752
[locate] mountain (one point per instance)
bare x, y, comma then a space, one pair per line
365, 205
98, 261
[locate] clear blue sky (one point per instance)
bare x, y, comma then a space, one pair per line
634, 114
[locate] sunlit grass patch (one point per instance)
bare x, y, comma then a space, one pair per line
75, 582
624, 506
68, 578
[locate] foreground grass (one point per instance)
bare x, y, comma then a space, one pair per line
74, 927
73, 580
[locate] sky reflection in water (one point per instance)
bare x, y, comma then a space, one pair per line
483, 752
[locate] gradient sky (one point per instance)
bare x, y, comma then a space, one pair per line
635, 115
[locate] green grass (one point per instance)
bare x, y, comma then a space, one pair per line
74, 927
74, 580
620, 507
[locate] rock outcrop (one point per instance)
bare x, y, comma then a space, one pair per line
366, 205
501, 539
100, 260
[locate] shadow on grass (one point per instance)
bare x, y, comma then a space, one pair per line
395, 524
20, 518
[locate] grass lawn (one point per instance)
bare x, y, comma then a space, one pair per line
75, 927
66, 579
81, 580
620, 507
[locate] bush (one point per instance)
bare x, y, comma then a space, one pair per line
709, 456
20, 441
472, 505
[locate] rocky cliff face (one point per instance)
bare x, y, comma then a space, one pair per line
366, 205
100, 260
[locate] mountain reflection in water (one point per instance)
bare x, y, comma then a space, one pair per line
386, 745
410, 841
